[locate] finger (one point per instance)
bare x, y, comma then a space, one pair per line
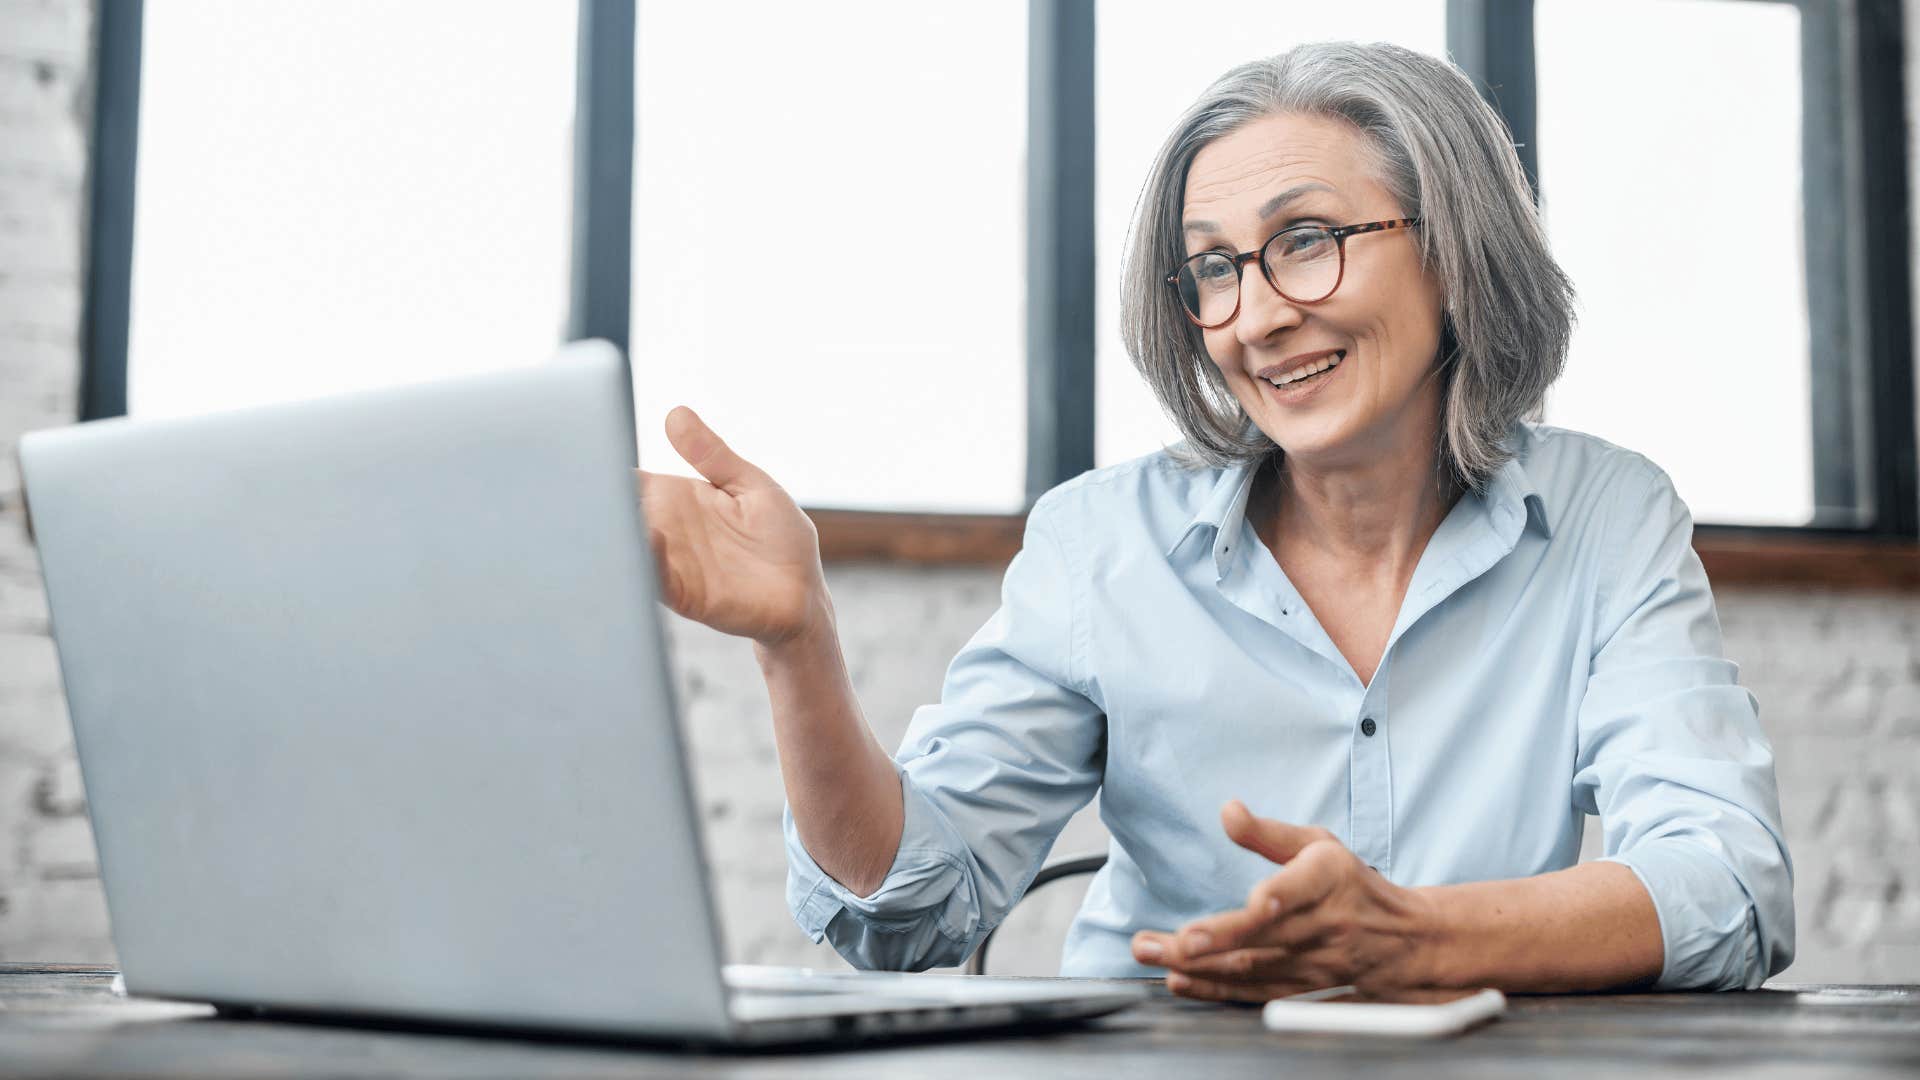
1276, 840
1305, 882
1217, 990
661, 492
1266, 963
1218, 933
1153, 948
652, 485
709, 455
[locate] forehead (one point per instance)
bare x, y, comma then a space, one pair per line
1232, 176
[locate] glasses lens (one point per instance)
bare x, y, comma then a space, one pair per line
1209, 288
1304, 263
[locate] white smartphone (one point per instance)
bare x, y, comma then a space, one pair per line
1342, 1009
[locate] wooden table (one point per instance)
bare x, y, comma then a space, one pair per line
61, 1021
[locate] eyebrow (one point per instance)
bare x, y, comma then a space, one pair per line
1267, 209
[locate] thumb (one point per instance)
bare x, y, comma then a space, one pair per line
710, 456
1275, 840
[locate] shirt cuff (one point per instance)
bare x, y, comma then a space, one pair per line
1708, 921
926, 888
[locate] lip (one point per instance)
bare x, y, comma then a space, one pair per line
1274, 371
1295, 393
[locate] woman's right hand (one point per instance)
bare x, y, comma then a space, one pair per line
734, 551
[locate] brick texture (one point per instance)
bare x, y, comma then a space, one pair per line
1837, 675
50, 900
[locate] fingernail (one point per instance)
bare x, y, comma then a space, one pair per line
1177, 981
1273, 906
1148, 950
1200, 940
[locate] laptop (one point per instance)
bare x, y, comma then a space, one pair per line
375, 717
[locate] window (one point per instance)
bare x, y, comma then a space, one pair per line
1773, 142
388, 207
333, 196
1675, 203
1153, 61
828, 245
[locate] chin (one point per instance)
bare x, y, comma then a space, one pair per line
1309, 437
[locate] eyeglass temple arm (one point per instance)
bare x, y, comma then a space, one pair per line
1345, 231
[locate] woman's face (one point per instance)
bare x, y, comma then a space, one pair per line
1385, 316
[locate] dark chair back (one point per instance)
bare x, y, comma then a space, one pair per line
977, 963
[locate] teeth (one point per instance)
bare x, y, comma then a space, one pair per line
1332, 360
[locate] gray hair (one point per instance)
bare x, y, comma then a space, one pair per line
1448, 159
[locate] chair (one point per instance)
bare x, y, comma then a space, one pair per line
977, 963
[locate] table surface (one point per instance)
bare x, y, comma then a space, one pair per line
63, 1020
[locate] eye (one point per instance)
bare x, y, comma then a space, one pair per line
1304, 241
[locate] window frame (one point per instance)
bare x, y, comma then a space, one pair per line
1854, 159
111, 170
1863, 317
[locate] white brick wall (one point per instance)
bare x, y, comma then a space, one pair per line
50, 902
1837, 674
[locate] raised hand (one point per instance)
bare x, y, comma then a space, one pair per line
734, 550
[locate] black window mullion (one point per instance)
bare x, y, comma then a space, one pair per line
600, 290
116, 142
1843, 449
1060, 242
1885, 312
1492, 41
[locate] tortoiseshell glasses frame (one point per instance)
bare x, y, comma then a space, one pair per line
1339, 233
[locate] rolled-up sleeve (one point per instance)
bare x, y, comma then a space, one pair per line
989, 776
1672, 758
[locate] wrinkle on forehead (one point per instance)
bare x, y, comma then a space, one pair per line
1280, 151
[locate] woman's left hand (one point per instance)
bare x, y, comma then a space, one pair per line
1326, 919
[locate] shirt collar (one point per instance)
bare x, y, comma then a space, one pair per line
1224, 508
1511, 495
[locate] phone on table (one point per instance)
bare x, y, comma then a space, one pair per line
1423, 1014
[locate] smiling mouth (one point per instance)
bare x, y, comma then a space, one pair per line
1307, 373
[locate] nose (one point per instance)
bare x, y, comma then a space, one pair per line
1263, 311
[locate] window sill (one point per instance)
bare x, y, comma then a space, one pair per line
1790, 558
1731, 556
936, 539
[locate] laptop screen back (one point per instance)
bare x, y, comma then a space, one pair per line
373, 707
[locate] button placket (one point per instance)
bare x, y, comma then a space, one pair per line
1371, 777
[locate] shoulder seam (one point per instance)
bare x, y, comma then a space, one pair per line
1157, 461
1616, 543
1046, 526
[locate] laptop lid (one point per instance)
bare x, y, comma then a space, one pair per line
373, 708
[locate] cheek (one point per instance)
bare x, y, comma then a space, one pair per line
1403, 336
1224, 351
1220, 343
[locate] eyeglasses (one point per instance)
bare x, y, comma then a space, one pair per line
1304, 264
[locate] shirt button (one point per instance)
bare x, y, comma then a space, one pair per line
1367, 727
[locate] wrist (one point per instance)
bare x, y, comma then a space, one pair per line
1435, 940
815, 637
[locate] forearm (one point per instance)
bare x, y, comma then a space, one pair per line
1590, 927
841, 784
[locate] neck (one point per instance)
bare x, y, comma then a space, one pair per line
1374, 516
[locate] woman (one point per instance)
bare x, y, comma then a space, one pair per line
1406, 637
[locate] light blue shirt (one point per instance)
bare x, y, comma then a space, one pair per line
1556, 655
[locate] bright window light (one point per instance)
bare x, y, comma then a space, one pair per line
1673, 199
829, 248
339, 194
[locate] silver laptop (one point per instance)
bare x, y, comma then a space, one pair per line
375, 718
